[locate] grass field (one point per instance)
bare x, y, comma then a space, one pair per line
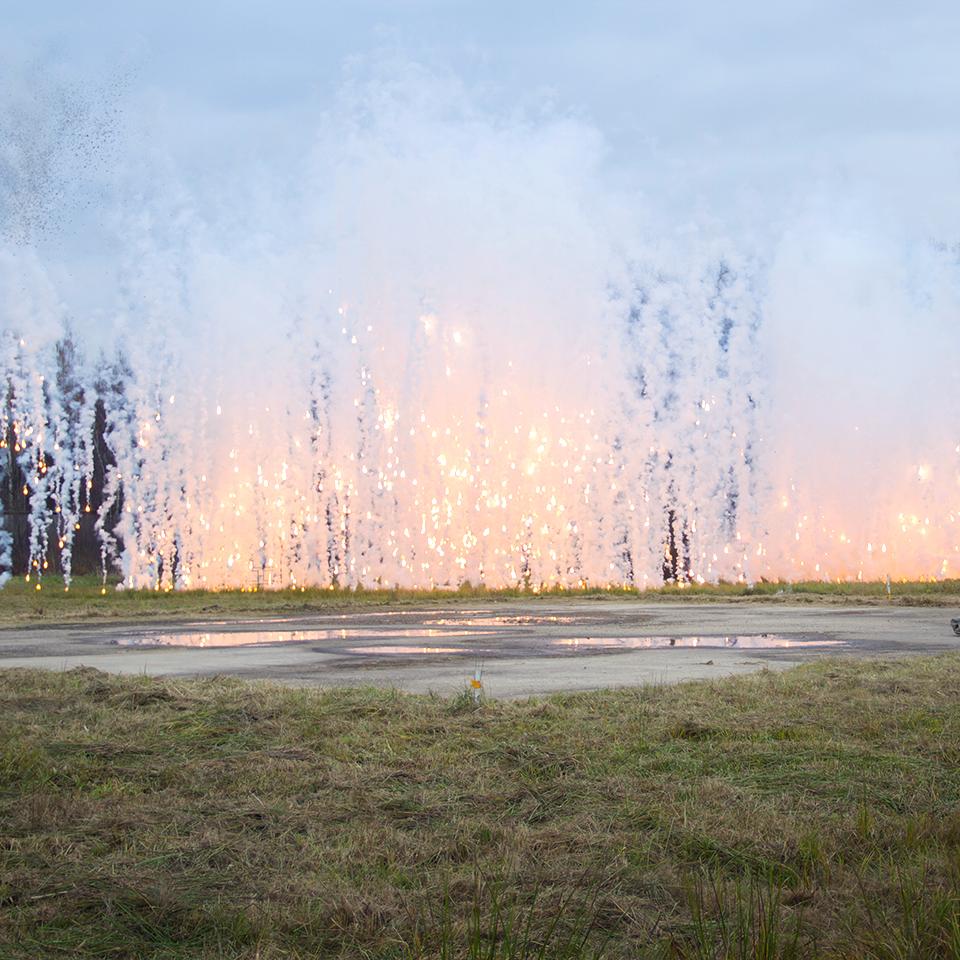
21, 602
813, 813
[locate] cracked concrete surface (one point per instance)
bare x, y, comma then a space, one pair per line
438, 648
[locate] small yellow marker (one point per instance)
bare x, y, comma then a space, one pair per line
476, 683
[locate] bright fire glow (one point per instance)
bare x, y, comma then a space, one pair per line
450, 356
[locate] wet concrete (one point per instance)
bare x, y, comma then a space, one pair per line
523, 648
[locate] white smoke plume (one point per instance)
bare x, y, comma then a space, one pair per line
445, 348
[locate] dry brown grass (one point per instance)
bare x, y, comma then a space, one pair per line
808, 813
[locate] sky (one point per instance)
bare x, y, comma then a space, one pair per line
717, 107
792, 125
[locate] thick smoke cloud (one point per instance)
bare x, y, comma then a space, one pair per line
443, 347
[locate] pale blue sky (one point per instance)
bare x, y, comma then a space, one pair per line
752, 83
745, 111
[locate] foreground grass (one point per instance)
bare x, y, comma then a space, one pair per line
813, 813
21, 603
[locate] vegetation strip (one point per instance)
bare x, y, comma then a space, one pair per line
88, 599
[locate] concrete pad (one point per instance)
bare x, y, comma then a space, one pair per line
517, 644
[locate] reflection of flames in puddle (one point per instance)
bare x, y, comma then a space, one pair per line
388, 648
519, 620
602, 644
322, 618
254, 638
352, 615
764, 641
531, 645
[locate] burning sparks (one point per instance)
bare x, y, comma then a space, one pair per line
484, 488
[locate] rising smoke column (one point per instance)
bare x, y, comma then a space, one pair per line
51, 135
862, 334
687, 430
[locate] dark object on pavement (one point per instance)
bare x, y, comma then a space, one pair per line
955, 623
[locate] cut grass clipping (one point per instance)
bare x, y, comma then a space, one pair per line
812, 813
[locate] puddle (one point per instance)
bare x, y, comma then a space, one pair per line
754, 642
519, 620
380, 640
321, 618
251, 638
396, 650
588, 645
360, 615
